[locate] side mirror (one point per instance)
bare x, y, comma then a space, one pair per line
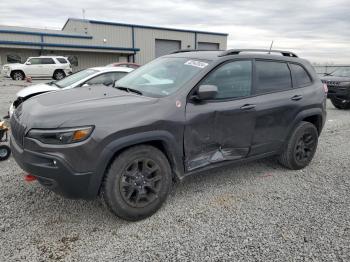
28, 63
206, 92
115, 83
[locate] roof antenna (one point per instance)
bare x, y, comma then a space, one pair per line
270, 47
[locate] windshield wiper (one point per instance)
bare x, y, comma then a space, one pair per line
130, 90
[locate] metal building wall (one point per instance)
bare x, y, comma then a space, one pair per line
23, 53
120, 36
220, 39
145, 40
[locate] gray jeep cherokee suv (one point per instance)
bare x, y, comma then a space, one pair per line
177, 115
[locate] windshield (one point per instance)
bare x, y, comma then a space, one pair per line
69, 80
344, 71
162, 76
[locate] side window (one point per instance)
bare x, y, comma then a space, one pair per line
106, 78
233, 79
35, 61
301, 77
272, 76
46, 61
62, 60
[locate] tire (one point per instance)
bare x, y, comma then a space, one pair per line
340, 104
5, 152
17, 75
59, 74
301, 147
137, 183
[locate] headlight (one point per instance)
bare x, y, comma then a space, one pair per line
61, 136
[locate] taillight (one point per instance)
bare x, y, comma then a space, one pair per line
325, 88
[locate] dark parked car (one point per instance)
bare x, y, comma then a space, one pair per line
338, 83
180, 114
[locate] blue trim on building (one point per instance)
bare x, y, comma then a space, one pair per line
44, 34
144, 26
42, 44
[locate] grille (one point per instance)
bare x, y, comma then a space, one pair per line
332, 83
17, 130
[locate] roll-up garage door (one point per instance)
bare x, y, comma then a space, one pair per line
164, 47
208, 46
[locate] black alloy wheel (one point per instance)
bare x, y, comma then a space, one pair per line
141, 182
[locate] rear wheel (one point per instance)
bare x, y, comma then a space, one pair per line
137, 183
301, 147
341, 103
5, 152
59, 74
17, 75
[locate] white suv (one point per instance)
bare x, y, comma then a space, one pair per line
56, 67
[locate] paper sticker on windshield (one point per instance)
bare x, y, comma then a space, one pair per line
196, 63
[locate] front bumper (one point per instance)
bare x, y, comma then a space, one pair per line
6, 72
53, 172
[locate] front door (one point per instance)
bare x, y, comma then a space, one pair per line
221, 129
34, 68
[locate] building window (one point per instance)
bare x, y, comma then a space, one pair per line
12, 58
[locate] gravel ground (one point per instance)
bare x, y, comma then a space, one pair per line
255, 212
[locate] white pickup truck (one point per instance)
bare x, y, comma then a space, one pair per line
56, 67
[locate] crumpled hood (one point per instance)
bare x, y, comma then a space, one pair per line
79, 106
336, 78
34, 89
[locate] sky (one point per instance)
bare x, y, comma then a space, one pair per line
317, 30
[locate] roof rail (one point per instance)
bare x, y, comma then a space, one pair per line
191, 50
238, 51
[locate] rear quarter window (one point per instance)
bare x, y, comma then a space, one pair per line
301, 77
62, 60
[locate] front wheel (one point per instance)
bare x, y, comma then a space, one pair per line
17, 75
301, 147
341, 103
137, 183
5, 152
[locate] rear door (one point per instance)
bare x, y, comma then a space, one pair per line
221, 129
34, 68
48, 66
276, 107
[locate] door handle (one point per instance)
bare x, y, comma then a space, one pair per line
248, 107
297, 97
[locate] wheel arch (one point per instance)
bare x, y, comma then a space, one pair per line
17, 70
313, 116
162, 140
